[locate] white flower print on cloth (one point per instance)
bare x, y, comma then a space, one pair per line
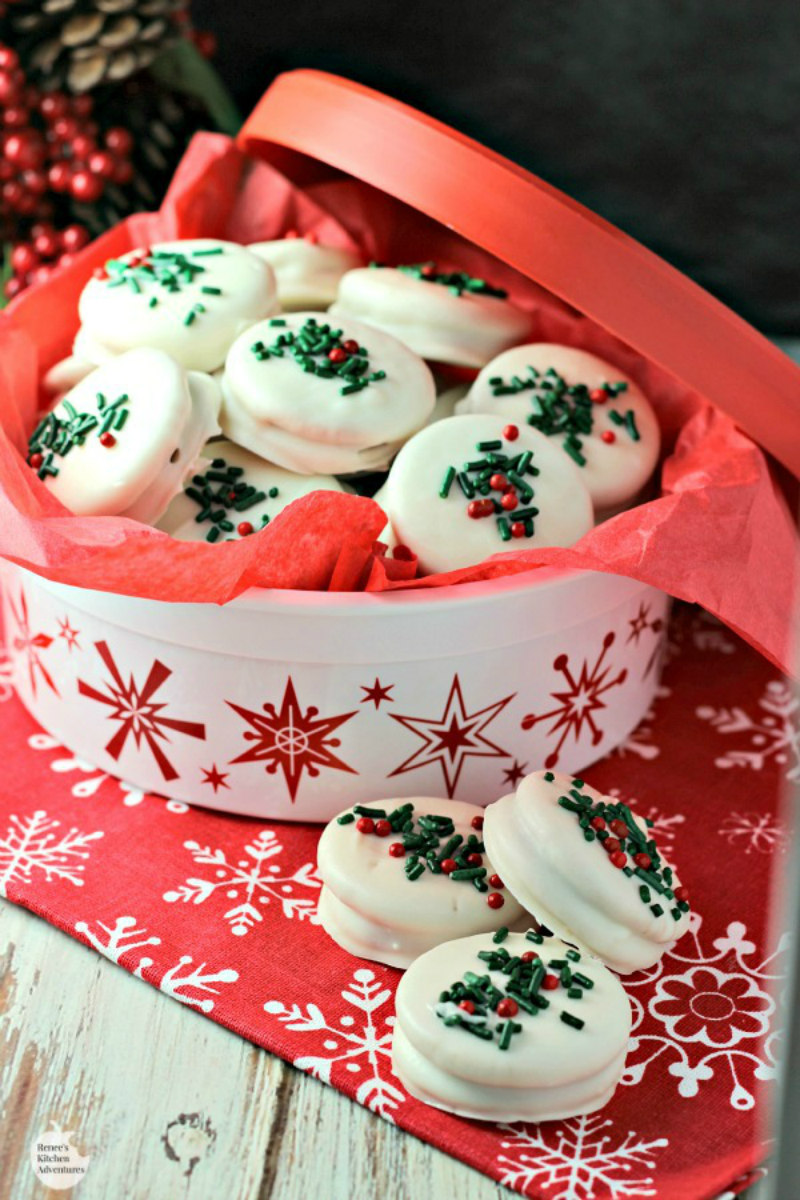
37, 843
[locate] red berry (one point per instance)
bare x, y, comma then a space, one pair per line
467, 1006
123, 172
59, 176
118, 140
475, 860
498, 482
16, 116
10, 86
495, 900
12, 287
619, 858
41, 227
8, 58
496, 882
65, 129
597, 823
25, 149
351, 346
619, 827
47, 245
108, 440
477, 823
448, 865
529, 956
397, 850
12, 192
74, 238
644, 861
35, 460
53, 105
598, 395
507, 1007
608, 436
34, 182
82, 146
518, 529
509, 501
511, 433
24, 258
337, 355
365, 825
383, 828
550, 982
82, 105
682, 893
205, 41
611, 845
85, 186
244, 529
65, 260
40, 274
27, 204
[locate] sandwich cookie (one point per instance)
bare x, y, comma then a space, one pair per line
124, 439
403, 876
233, 494
514, 1027
586, 867
307, 273
444, 316
190, 298
319, 398
597, 415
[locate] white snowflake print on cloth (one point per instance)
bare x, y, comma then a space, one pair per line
250, 880
94, 777
6, 676
757, 832
357, 1045
771, 736
570, 1160
642, 741
37, 843
663, 826
715, 1010
120, 942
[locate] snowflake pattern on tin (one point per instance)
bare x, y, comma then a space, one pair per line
712, 1009
773, 735
138, 714
572, 1160
579, 703
26, 646
37, 843
358, 1045
121, 941
251, 881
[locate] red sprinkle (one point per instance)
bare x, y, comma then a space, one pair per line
507, 1007
448, 866
311, 238
529, 956
397, 850
351, 346
517, 529
99, 273
498, 482
107, 439
475, 860
337, 355
511, 433
428, 270
495, 900
597, 823
496, 882
619, 858
467, 1006
608, 436
383, 828
611, 845
644, 861
550, 981
291, 233
509, 502
598, 395
365, 825
244, 528
619, 827
475, 509
477, 822
682, 893
36, 461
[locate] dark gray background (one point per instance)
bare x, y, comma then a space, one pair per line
679, 120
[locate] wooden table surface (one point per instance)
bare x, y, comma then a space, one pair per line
171, 1106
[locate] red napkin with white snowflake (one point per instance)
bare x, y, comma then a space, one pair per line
194, 902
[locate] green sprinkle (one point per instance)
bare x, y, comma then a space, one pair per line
215, 291
644, 892
501, 935
152, 302
190, 316
207, 253
574, 955
549, 777
675, 913
575, 993
656, 910
363, 811
569, 1019
484, 446
469, 873
345, 819
533, 936
583, 980
447, 482
504, 528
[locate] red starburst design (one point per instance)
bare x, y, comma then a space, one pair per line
580, 702
639, 626
68, 634
451, 739
30, 644
292, 740
514, 773
377, 693
138, 716
215, 778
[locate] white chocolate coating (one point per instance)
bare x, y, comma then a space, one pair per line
117, 318
171, 415
303, 422
307, 273
372, 910
64, 374
569, 884
180, 519
550, 1070
440, 531
467, 330
614, 472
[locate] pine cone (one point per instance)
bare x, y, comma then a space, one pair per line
80, 44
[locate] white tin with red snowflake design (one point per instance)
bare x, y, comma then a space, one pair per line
294, 705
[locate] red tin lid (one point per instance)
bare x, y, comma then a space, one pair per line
542, 233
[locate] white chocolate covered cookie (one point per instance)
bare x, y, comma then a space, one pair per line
514, 1027
598, 415
233, 493
306, 272
323, 399
589, 869
468, 487
445, 316
123, 440
404, 876
191, 298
